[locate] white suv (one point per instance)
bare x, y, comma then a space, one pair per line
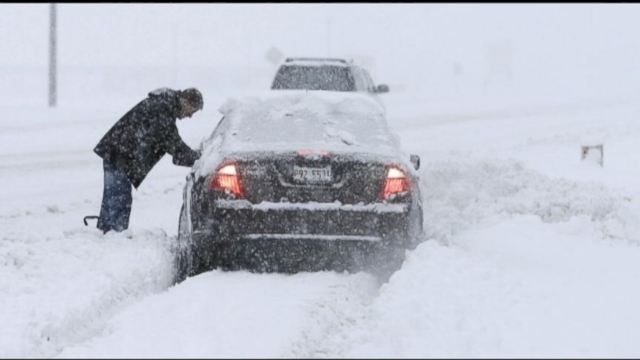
325, 74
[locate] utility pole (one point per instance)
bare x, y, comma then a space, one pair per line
52, 56
328, 37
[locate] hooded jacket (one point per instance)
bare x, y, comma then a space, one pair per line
144, 135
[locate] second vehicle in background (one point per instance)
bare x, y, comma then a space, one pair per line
327, 74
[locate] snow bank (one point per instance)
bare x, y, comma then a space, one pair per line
520, 288
460, 193
59, 290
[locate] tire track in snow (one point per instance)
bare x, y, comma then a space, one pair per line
231, 314
328, 319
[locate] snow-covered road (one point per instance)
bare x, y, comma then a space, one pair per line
532, 251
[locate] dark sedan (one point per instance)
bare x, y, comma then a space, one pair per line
300, 182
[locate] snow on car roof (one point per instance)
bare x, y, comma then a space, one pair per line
309, 62
315, 61
300, 120
303, 120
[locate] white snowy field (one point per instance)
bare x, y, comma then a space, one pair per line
532, 252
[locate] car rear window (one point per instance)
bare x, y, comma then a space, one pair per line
322, 77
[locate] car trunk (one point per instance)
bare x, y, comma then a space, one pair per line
297, 177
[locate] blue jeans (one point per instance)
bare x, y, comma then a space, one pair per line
116, 200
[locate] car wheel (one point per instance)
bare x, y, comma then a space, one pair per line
187, 263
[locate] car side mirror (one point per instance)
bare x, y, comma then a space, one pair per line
415, 160
382, 89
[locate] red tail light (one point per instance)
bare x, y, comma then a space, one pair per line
227, 178
396, 183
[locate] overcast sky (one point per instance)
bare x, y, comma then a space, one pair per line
586, 44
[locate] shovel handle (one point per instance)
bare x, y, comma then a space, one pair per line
89, 217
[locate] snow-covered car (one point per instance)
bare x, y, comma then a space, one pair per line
299, 181
328, 74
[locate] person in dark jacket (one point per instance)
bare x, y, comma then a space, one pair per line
135, 144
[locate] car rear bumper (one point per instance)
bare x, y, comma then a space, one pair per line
294, 255
239, 220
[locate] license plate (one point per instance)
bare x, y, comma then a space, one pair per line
312, 175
